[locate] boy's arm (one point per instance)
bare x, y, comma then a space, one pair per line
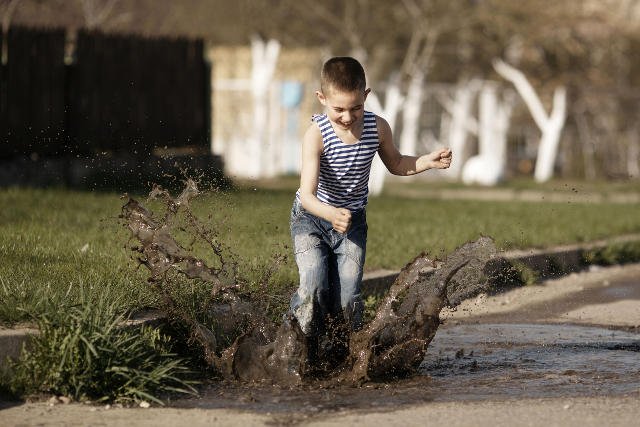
312, 147
399, 164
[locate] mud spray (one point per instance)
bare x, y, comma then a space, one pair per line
392, 344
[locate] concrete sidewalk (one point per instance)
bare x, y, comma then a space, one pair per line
512, 194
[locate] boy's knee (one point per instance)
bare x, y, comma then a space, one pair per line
309, 255
355, 255
303, 243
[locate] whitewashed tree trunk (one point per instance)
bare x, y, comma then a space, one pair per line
550, 125
411, 114
393, 102
548, 150
264, 59
488, 167
248, 153
272, 163
488, 108
460, 123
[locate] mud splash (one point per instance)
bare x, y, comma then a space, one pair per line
468, 362
393, 344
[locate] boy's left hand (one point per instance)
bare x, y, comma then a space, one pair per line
441, 159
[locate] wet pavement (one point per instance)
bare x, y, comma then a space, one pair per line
469, 362
502, 361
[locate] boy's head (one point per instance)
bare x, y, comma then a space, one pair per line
343, 90
342, 73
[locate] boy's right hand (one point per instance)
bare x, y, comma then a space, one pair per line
341, 220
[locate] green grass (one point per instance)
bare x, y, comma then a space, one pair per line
55, 242
615, 253
400, 228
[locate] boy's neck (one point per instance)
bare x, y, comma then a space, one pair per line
351, 135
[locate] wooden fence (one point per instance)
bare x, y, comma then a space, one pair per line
119, 94
32, 94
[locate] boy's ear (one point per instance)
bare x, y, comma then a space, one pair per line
366, 92
321, 97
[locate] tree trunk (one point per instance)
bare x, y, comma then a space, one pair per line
460, 124
588, 150
264, 60
633, 153
248, 153
488, 167
9, 9
393, 102
550, 125
551, 132
411, 114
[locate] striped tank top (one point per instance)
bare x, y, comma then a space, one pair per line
344, 168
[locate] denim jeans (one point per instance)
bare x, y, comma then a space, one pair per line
330, 267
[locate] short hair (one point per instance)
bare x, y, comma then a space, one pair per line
342, 73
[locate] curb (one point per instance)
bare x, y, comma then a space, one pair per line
11, 343
542, 263
12, 340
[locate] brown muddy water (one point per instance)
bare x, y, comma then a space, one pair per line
260, 349
467, 362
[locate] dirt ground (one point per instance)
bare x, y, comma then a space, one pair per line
582, 298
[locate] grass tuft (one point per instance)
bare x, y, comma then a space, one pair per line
617, 253
84, 352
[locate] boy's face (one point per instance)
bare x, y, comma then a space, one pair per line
345, 109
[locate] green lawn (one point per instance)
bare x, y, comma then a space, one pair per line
57, 244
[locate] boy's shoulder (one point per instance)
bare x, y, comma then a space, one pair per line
380, 120
317, 118
313, 130
384, 130
378, 117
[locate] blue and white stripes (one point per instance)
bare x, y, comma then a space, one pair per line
344, 168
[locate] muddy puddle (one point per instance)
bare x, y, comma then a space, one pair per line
482, 361
243, 344
469, 362
487, 359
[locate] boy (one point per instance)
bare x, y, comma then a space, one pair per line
328, 218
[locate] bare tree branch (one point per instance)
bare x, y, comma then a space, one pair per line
96, 12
